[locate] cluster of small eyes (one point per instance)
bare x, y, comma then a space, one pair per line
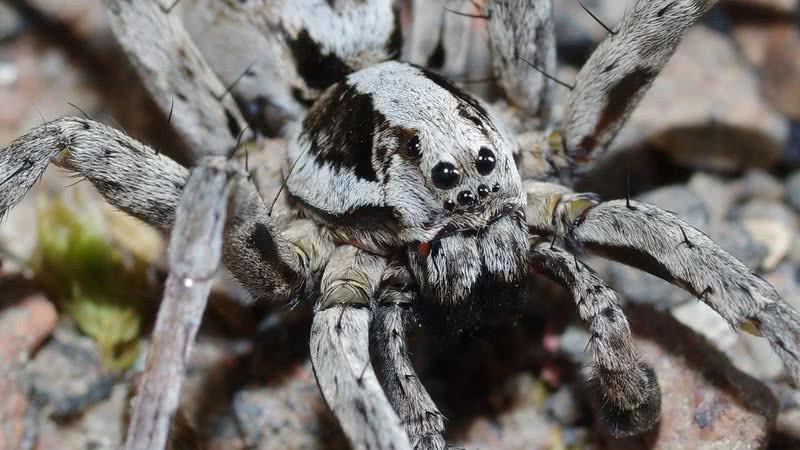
446, 176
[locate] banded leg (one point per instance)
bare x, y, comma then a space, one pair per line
179, 79
630, 397
130, 175
661, 243
340, 351
422, 419
620, 71
147, 185
522, 38
138, 180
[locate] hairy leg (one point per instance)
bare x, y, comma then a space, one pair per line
522, 38
340, 351
621, 69
422, 419
661, 243
177, 75
150, 186
257, 253
630, 398
147, 185
130, 175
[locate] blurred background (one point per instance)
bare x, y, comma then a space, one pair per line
716, 140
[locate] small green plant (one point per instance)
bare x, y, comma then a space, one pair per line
97, 283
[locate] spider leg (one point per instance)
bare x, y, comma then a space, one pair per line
441, 35
620, 70
177, 75
150, 186
631, 398
271, 264
340, 351
522, 38
422, 419
661, 243
130, 175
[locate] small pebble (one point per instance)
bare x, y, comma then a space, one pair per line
8, 73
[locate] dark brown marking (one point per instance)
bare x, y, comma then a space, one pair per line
319, 70
340, 129
632, 257
617, 106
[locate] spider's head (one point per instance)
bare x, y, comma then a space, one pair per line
402, 159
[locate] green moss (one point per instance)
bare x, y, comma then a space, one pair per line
80, 268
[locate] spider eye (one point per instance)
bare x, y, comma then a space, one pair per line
411, 146
466, 198
445, 176
486, 161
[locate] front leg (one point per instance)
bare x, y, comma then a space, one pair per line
146, 184
661, 243
630, 398
340, 351
393, 314
522, 37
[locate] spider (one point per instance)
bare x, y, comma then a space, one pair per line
404, 196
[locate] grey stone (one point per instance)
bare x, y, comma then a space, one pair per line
739, 242
690, 114
766, 210
758, 184
750, 354
793, 189
100, 427
563, 406
682, 201
67, 375
289, 413
706, 402
718, 195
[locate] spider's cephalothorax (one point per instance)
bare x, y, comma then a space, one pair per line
396, 157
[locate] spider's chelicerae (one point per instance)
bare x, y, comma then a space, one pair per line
403, 194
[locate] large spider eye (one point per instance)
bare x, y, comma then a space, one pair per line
485, 162
445, 176
410, 146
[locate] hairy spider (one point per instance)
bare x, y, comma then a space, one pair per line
403, 195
